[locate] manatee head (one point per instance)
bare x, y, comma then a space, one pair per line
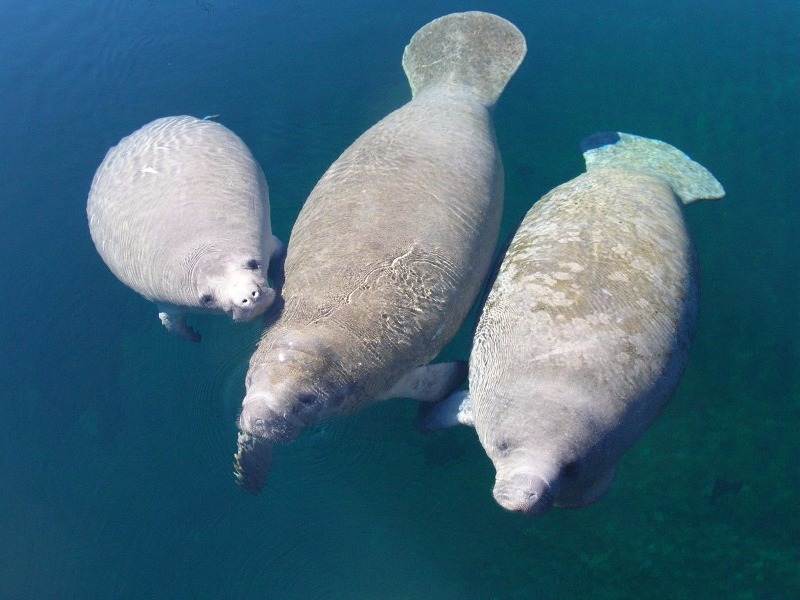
527, 480
238, 287
535, 484
293, 385
534, 439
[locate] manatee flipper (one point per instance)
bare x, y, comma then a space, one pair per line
453, 410
174, 319
430, 383
251, 463
592, 493
689, 180
276, 262
473, 49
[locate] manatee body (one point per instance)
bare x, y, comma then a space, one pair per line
391, 248
587, 327
179, 211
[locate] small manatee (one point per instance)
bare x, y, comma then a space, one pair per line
179, 211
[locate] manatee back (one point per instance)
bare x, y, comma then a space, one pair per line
476, 49
393, 243
605, 259
173, 191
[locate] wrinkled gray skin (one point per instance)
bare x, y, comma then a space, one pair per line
583, 337
179, 211
587, 327
385, 260
391, 247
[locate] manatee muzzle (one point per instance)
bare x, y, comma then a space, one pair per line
524, 492
250, 301
259, 420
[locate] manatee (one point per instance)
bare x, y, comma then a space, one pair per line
179, 211
586, 329
390, 250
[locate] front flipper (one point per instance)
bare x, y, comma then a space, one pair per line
251, 463
175, 322
430, 383
454, 410
590, 494
276, 261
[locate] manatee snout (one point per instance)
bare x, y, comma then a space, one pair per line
524, 492
260, 420
249, 300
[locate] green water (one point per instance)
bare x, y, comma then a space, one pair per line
116, 439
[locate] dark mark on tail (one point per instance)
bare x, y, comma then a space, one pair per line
598, 140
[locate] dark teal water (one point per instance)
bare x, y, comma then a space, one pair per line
116, 439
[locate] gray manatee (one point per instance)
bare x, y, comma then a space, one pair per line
391, 247
587, 327
179, 211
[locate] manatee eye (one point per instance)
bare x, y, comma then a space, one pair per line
304, 402
206, 299
253, 264
306, 399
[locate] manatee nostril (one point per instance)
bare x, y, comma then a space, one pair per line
249, 298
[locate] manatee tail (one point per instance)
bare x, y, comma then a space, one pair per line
476, 49
689, 180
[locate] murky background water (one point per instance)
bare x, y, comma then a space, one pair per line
116, 439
